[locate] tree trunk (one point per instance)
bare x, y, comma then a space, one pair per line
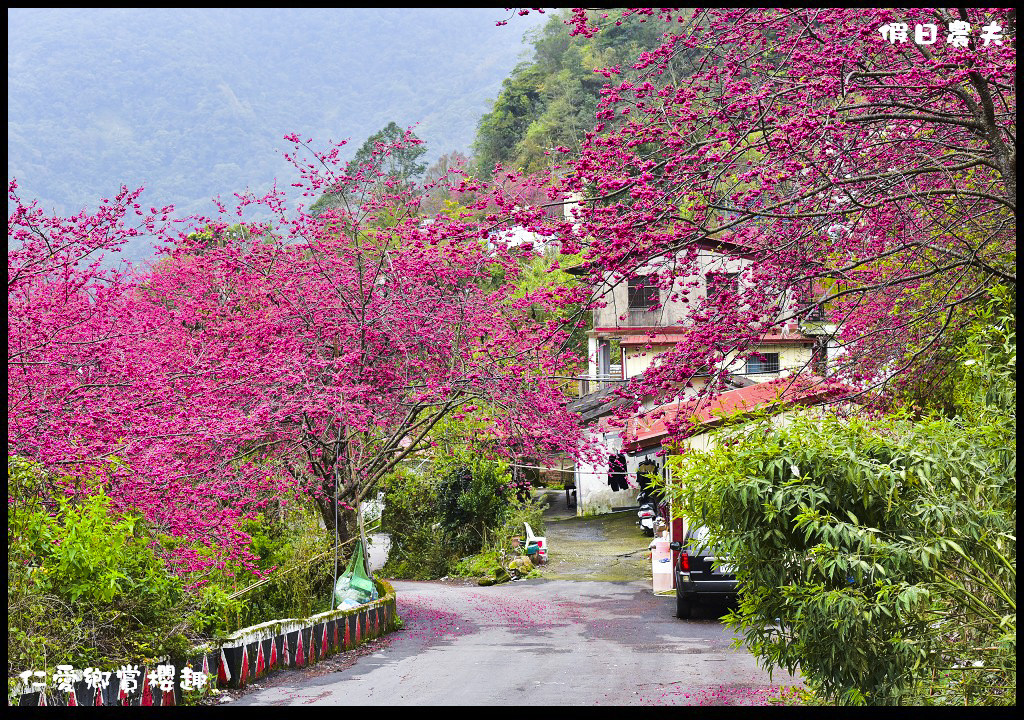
346, 527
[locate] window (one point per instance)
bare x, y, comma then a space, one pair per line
819, 357
643, 293
815, 313
609, 356
815, 300
765, 363
720, 282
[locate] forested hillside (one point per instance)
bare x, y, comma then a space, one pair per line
551, 99
194, 103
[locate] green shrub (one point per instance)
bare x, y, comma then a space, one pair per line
494, 559
302, 553
459, 520
418, 547
473, 497
84, 582
88, 585
877, 556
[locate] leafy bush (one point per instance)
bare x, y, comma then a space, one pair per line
418, 550
493, 560
302, 553
88, 584
877, 556
473, 496
84, 582
457, 521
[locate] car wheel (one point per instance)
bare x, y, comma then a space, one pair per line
683, 607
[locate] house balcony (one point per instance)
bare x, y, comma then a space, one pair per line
595, 383
608, 317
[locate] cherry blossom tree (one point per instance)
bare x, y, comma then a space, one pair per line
372, 329
70, 321
850, 166
290, 354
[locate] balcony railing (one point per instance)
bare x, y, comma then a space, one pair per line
594, 383
635, 317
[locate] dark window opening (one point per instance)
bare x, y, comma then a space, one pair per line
819, 357
720, 282
643, 293
766, 363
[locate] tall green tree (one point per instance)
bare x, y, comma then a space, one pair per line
399, 160
391, 155
551, 100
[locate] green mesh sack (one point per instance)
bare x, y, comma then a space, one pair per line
354, 586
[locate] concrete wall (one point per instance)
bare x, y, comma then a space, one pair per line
616, 311
593, 494
792, 358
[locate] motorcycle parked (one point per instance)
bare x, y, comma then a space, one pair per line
647, 515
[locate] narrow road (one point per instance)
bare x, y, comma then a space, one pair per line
590, 632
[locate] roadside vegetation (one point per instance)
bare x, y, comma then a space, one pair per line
90, 584
459, 515
877, 555
93, 584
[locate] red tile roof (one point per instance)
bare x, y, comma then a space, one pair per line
650, 428
669, 338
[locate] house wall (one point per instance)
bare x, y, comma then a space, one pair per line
792, 357
593, 493
614, 321
705, 441
637, 359
616, 312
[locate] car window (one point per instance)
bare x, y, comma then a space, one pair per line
696, 542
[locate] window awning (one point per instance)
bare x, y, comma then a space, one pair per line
658, 339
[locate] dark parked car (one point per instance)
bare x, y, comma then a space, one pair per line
700, 573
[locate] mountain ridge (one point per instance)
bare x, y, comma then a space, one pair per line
194, 104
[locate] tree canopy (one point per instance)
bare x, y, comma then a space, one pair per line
874, 179
303, 355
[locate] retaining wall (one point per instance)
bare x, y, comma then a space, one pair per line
245, 656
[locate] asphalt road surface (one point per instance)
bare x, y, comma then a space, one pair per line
590, 632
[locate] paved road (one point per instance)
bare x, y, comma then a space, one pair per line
560, 639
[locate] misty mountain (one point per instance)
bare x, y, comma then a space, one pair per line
194, 103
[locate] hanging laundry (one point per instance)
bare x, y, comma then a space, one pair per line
645, 472
617, 472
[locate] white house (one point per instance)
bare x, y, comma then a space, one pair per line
634, 324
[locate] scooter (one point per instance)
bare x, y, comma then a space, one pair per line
647, 514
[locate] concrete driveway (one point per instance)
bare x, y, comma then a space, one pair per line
590, 632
